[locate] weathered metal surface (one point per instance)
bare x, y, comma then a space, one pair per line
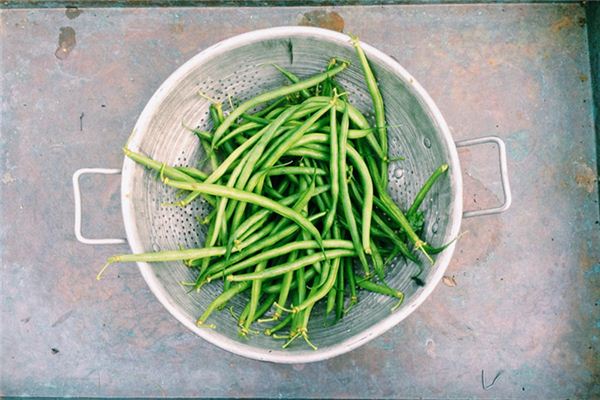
522, 292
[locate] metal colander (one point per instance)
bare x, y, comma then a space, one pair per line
240, 67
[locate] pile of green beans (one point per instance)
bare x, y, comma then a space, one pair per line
297, 178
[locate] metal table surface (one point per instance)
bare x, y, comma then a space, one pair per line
521, 298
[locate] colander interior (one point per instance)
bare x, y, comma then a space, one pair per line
242, 70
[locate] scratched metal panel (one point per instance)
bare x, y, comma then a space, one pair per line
521, 295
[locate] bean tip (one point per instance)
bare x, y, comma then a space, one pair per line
108, 262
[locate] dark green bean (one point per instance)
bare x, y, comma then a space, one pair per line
345, 196
349, 275
425, 189
377, 106
385, 290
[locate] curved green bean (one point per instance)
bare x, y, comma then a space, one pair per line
292, 266
248, 197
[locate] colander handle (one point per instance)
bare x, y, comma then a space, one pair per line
503, 175
77, 196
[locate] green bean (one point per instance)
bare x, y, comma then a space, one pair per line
292, 78
167, 171
313, 138
221, 300
327, 86
336, 233
389, 206
345, 196
377, 261
276, 111
339, 296
276, 288
209, 241
285, 322
385, 290
323, 289
323, 137
290, 171
201, 134
188, 174
352, 133
300, 296
286, 285
378, 107
292, 266
273, 193
425, 189
349, 275
389, 232
215, 115
303, 199
305, 109
269, 108
167, 255
243, 316
334, 176
248, 197
271, 95
265, 306
249, 126
308, 153
255, 292
393, 254
192, 172
211, 156
331, 297
252, 118
253, 223
312, 147
227, 163
367, 208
